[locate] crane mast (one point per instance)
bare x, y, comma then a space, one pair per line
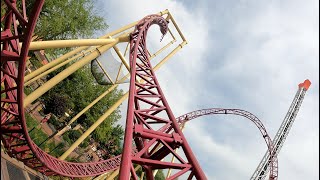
278, 141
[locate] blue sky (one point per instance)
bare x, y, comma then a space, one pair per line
242, 54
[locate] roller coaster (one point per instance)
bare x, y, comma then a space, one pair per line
150, 123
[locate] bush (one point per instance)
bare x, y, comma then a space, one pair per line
71, 136
54, 121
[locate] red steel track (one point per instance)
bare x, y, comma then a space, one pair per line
14, 133
150, 123
140, 122
204, 112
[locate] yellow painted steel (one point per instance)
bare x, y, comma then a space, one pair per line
65, 73
171, 34
94, 126
122, 58
75, 51
104, 71
108, 91
112, 108
87, 108
177, 27
87, 59
39, 45
113, 175
172, 159
53, 63
164, 60
56, 67
119, 72
163, 48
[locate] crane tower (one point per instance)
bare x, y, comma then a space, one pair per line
264, 166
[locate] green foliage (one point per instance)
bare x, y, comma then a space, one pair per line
31, 123
81, 89
84, 143
58, 150
159, 175
28, 90
54, 121
34, 61
65, 19
37, 135
56, 103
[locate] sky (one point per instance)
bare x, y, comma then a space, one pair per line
244, 54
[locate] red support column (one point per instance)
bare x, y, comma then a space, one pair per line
150, 121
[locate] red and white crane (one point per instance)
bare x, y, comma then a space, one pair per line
263, 168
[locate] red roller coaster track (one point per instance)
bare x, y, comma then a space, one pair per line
14, 133
150, 121
195, 114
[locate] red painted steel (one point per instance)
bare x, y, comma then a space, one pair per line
14, 134
273, 160
147, 106
150, 122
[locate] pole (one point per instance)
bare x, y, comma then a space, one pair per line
39, 45
93, 127
55, 68
111, 88
113, 107
65, 73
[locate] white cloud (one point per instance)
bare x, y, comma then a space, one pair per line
250, 56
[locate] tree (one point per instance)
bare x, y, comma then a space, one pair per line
159, 175
82, 88
56, 103
67, 19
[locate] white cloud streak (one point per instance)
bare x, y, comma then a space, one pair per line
246, 55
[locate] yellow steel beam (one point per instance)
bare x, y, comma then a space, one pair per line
173, 157
112, 108
53, 63
118, 73
113, 174
93, 127
108, 91
65, 73
122, 58
163, 48
125, 52
75, 51
56, 67
174, 38
104, 71
38, 45
177, 27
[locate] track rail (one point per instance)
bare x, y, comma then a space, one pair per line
14, 134
150, 122
204, 112
17, 27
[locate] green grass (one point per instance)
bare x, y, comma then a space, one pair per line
38, 136
31, 122
28, 90
3, 95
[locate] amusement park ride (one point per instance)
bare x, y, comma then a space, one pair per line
152, 133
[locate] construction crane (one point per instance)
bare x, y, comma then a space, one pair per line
263, 168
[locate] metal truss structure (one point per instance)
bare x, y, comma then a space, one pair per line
14, 133
150, 125
264, 166
273, 161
